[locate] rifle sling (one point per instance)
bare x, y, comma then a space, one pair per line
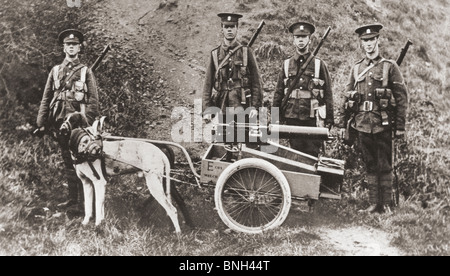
224, 61
365, 71
294, 83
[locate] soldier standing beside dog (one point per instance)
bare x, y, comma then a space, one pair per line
313, 90
232, 76
71, 87
376, 102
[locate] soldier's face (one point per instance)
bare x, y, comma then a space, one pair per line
301, 42
229, 31
370, 44
72, 49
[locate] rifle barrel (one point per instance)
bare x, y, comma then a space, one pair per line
100, 58
255, 35
403, 52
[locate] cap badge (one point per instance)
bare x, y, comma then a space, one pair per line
229, 18
302, 27
71, 36
368, 31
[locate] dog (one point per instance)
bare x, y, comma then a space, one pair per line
122, 156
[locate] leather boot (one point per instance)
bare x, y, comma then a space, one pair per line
386, 191
74, 184
372, 180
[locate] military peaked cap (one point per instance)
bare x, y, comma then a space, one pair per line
229, 18
302, 28
369, 31
71, 35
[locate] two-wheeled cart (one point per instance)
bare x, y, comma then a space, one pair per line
256, 179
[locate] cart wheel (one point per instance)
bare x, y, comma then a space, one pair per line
252, 195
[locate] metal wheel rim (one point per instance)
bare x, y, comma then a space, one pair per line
252, 198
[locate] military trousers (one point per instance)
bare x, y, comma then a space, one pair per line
74, 183
376, 150
308, 146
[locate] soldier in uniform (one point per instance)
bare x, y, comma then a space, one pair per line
375, 103
70, 87
232, 75
312, 95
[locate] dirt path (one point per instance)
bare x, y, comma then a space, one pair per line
177, 40
360, 241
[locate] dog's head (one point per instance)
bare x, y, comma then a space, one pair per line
73, 121
83, 144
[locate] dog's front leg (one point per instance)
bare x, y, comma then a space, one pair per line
88, 192
100, 191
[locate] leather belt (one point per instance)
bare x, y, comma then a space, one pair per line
368, 106
65, 95
300, 94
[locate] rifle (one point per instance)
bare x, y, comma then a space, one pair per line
403, 52
399, 61
100, 58
249, 44
301, 71
256, 33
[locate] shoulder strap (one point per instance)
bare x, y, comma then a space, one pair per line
365, 70
226, 59
244, 56
316, 68
385, 81
56, 82
215, 57
356, 72
83, 74
286, 67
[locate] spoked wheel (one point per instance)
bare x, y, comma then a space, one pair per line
252, 195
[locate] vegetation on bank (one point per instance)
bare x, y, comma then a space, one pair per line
31, 182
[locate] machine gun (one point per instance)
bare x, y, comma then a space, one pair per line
255, 133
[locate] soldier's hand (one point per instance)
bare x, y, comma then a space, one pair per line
39, 132
207, 118
400, 134
342, 133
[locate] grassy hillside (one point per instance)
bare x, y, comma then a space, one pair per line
138, 98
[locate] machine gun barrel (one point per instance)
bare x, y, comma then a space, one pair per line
251, 132
287, 131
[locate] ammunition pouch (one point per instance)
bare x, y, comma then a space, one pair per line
351, 106
80, 92
384, 96
353, 96
299, 94
383, 93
